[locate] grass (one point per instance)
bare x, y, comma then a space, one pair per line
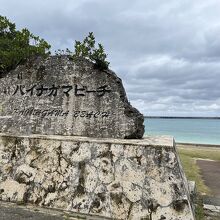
188, 158
199, 211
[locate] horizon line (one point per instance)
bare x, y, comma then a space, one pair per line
185, 117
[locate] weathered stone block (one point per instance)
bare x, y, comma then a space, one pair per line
61, 96
115, 178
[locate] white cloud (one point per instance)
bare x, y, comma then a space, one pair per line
166, 52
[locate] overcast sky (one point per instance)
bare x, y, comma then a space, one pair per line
166, 52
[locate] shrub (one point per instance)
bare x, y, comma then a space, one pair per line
87, 50
18, 46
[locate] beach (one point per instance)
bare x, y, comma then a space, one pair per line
186, 130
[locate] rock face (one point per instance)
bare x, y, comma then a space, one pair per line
119, 179
60, 96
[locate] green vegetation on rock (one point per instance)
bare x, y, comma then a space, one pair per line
18, 46
87, 50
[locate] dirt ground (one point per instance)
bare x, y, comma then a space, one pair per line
210, 171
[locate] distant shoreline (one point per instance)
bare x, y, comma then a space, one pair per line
174, 117
180, 144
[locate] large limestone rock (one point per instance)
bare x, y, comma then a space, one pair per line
60, 96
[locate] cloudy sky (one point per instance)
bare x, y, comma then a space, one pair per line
166, 52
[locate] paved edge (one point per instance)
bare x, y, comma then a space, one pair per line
30, 212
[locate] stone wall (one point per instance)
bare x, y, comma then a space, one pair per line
116, 178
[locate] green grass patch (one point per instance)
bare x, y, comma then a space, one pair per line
188, 158
199, 211
204, 153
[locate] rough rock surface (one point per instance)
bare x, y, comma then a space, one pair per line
61, 96
120, 179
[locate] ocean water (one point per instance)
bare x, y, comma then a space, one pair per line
202, 131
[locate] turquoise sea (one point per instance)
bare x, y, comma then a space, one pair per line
202, 131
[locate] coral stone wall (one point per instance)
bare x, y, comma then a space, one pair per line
116, 178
